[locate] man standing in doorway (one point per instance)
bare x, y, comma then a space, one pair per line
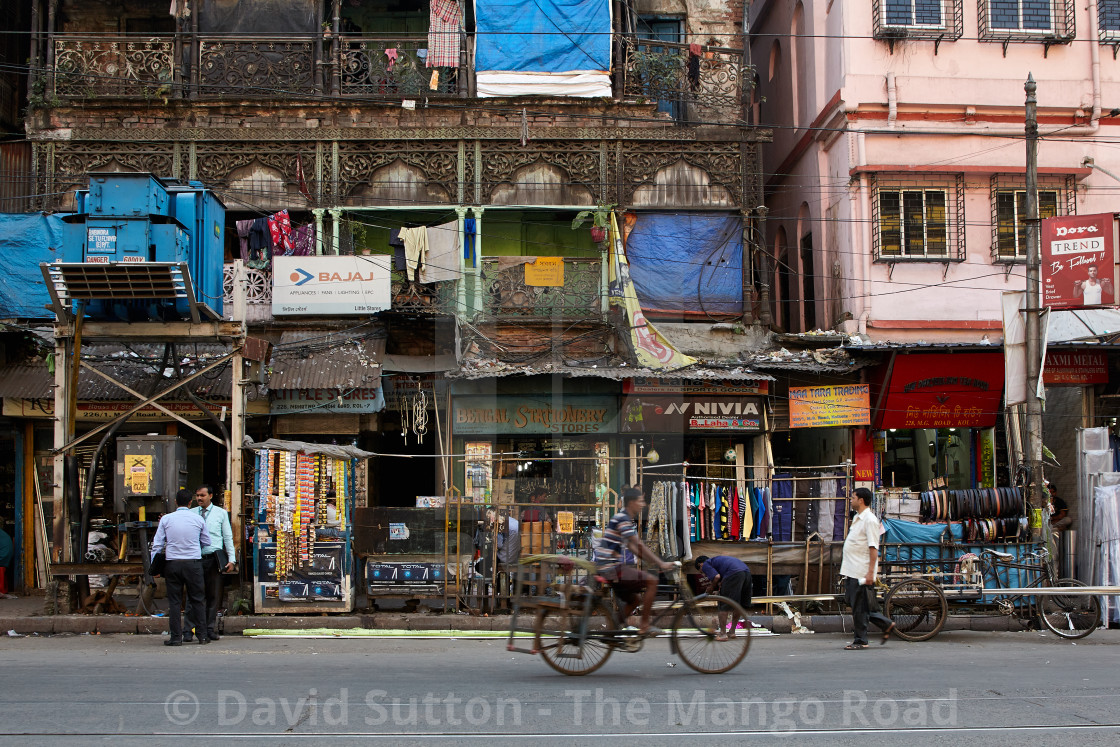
181, 535
218, 557
861, 561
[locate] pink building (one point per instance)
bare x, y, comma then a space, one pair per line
895, 181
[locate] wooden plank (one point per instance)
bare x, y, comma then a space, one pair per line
97, 569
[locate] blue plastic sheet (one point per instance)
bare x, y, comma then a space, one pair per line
687, 262
543, 36
27, 239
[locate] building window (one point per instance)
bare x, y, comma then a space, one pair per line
1108, 20
1027, 20
912, 12
1056, 196
897, 20
917, 221
1011, 229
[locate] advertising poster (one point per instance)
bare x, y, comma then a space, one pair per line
1078, 261
828, 406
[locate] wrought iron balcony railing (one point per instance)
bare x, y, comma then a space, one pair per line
390, 66
709, 86
506, 294
89, 67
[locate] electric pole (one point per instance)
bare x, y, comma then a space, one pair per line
1033, 326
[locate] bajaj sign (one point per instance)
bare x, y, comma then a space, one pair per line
330, 285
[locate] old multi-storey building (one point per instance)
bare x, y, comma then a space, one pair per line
896, 189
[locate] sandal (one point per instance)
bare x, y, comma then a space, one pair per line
887, 635
722, 637
855, 646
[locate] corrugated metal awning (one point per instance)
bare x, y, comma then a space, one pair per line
481, 368
320, 359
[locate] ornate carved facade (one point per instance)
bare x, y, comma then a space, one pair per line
469, 165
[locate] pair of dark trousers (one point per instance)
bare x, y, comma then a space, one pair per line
865, 607
213, 585
184, 583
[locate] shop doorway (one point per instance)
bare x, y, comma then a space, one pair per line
396, 481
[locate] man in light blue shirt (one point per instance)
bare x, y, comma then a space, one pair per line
181, 535
218, 556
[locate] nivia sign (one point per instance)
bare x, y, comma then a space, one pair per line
317, 286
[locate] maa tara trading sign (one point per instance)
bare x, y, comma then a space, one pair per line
1079, 261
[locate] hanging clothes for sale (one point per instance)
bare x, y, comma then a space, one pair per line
782, 493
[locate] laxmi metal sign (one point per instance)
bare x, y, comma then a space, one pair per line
317, 286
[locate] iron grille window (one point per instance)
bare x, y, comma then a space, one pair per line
915, 221
917, 19
1108, 20
1011, 230
913, 12
1047, 21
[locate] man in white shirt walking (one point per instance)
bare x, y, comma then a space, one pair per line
861, 560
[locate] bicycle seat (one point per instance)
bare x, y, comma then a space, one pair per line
1002, 555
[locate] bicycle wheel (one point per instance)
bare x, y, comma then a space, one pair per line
1068, 615
695, 632
557, 639
918, 609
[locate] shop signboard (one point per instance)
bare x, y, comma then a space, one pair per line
545, 272
1079, 261
863, 453
322, 401
829, 406
1072, 368
44, 408
692, 413
527, 414
332, 286
668, 385
943, 390
565, 522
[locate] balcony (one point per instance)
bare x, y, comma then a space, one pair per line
707, 87
506, 295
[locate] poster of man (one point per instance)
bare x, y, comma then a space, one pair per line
1093, 290
1079, 266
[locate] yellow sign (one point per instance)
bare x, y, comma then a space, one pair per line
826, 406
565, 522
138, 473
546, 271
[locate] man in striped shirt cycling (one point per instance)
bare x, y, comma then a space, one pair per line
631, 585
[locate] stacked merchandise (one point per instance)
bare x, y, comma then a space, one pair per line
987, 514
292, 488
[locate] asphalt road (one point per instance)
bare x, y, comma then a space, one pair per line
969, 688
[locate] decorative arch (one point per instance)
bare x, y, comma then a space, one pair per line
775, 67
541, 183
796, 61
682, 184
398, 183
259, 187
783, 283
807, 265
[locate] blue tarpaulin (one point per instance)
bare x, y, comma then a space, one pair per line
26, 239
543, 36
687, 262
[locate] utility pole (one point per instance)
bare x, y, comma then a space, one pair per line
1033, 326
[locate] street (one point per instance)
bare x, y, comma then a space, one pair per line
962, 687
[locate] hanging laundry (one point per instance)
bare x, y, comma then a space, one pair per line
280, 228
303, 238
443, 34
243, 227
260, 245
469, 231
391, 53
442, 260
415, 249
694, 66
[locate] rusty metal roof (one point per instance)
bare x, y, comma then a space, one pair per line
321, 359
134, 367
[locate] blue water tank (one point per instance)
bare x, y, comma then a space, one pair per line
204, 216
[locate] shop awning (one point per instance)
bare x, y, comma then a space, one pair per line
481, 368
323, 359
938, 390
